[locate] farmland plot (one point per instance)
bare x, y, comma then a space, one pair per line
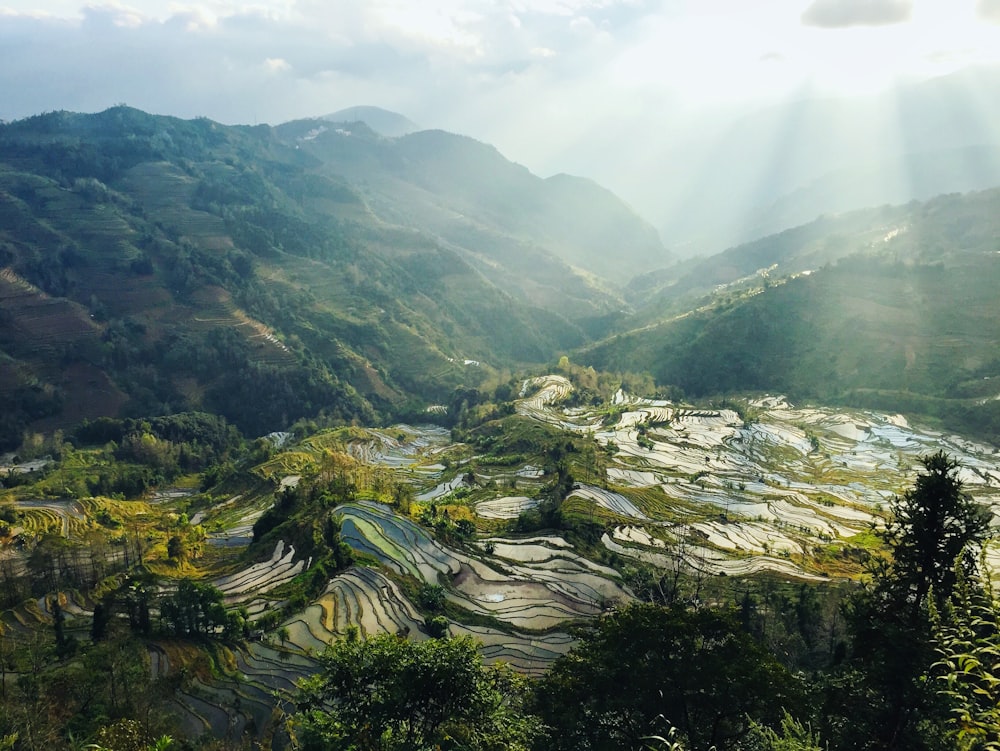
62, 517
399, 543
614, 502
530, 655
261, 577
509, 507
702, 490
790, 480
361, 597
535, 586
400, 446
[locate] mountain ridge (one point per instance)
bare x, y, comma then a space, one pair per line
382, 121
268, 274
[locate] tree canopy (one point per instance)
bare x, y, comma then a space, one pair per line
697, 670
386, 693
934, 533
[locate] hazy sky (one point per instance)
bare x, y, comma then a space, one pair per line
467, 62
544, 80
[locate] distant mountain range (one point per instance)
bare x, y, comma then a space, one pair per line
269, 274
892, 308
150, 264
383, 122
743, 176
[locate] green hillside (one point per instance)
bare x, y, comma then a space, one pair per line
617, 539
151, 265
892, 308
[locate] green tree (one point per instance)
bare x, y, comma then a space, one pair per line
794, 736
431, 597
697, 670
195, 609
437, 627
386, 693
967, 641
934, 533
931, 526
176, 549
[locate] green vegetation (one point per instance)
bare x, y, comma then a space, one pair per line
172, 265
706, 660
669, 574
967, 640
388, 693
902, 324
935, 534
697, 669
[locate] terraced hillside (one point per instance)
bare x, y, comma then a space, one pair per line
892, 309
154, 265
782, 488
531, 526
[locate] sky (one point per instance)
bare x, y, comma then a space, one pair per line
549, 82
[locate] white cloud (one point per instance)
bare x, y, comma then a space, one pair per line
277, 65
834, 14
989, 10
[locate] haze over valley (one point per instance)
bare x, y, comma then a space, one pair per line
575, 376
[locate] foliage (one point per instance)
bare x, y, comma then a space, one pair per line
196, 609
431, 597
933, 533
387, 693
793, 736
697, 669
967, 642
104, 686
303, 516
931, 526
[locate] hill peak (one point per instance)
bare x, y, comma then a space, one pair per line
382, 121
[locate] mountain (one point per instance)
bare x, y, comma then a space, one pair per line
918, 176
467, 193
891, 308
151, 264
383, 122
746, 175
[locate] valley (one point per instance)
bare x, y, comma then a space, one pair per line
755, 488
273, 389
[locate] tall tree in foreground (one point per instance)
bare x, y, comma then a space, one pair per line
386, 693
967, 638
647, 665
934, 533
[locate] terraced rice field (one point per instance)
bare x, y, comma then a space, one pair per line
763, 495
508, 507
39, 319
369, 600
231, 524
361, 597
234, 707
534, 585
59, 517
701, 490
262, 577
614, 502
402, 446
528, 654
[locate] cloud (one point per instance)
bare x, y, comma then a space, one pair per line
275, 61
836, 14
276, 65
989, 10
